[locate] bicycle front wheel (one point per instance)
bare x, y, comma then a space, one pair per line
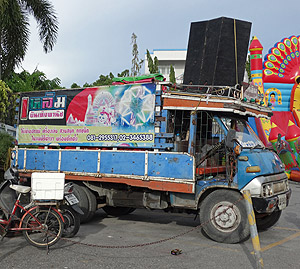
48, 232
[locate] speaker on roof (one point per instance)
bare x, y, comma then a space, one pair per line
215, 48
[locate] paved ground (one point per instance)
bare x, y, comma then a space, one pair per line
280, 245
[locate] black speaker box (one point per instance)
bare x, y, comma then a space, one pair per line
211, 54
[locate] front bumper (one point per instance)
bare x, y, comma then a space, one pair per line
268, 205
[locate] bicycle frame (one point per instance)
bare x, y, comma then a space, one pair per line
8, 222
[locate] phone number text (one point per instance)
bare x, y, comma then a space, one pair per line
120, 137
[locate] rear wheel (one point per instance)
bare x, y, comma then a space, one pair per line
267, 221
92, 201
83, 202
224, 217
118, 210
72, 221
46, 234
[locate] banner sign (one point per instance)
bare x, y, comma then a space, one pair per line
120, 115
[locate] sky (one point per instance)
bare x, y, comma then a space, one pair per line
94, 36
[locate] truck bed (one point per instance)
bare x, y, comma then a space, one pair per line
165, 171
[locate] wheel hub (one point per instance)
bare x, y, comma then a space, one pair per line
225, 216
44, 227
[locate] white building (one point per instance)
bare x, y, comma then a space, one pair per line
166, 58
9, 129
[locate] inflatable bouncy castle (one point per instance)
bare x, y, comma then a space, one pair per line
278, 83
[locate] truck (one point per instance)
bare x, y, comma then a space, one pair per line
150, 144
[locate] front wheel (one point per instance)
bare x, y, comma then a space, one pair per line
48, 232
72, 221
224, 217
267, 221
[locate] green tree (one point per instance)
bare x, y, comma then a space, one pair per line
5, 100
136, 62
75, 85
172, 74
36, 81
248, 68
248, 65
86, 85
104, 80
124, 73
14, 30
6, 141
152, 65
155, 68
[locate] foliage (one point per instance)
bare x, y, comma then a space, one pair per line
152, 65
6, 100
150, 62
14, 30
248, 68
75, 85
248, 65
155, 65
6, 141
136, 62
172, 74
37, 81
124, 73
86, 85
104, 80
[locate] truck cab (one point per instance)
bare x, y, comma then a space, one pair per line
177, 150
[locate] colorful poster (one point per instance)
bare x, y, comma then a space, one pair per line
120, 115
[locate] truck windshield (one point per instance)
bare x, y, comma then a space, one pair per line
244, 135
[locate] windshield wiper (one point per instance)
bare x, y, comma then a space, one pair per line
258, 146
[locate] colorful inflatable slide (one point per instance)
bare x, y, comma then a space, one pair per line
278, 82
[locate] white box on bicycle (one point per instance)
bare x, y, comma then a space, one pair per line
47, 186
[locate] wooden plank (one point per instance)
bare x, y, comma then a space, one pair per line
210, 170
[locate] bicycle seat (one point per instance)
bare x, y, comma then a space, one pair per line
20, 188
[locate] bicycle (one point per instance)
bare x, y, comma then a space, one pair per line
41, 223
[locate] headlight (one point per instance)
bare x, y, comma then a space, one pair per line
267, 190
273, 188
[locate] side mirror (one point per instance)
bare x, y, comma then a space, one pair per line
231, 135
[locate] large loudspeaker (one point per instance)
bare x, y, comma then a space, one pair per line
211, 53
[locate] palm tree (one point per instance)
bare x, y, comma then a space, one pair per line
14, 30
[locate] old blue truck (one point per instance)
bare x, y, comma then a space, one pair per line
147, 145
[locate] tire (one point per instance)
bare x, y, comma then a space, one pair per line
72, 221
117, 211
83, 202
265, 222
229, 227
53, 227
92, 203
